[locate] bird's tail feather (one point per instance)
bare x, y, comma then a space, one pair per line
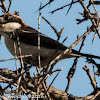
89, 55
77, 54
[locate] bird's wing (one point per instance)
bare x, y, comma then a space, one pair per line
29, 36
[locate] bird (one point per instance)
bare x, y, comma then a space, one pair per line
13, 28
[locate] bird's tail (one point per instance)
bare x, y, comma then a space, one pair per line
89, 55
77, 54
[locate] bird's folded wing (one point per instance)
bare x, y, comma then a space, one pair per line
29, 36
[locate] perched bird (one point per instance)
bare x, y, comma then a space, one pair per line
12, 28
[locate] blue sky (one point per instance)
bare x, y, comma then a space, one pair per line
80, 85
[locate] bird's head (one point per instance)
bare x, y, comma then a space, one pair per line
10, 22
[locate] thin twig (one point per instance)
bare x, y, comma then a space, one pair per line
18, 57
90, 77
70, 7
55, 30
45, 5
22, 65
39, 60
10, 1
65, 39
3, 6
58, 34
63, 7
53, 81
73, 68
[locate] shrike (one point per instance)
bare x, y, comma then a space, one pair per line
12, 26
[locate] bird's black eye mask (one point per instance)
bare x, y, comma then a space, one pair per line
6, 17
9, 18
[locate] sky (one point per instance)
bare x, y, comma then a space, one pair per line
81, 85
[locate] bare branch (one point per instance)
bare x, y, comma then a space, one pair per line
10, 1
55, 30
90, 77
18, 57
73, 68
50, 1
53, 81
63, 7
3, 6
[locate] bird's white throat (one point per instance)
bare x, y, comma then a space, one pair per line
11, 26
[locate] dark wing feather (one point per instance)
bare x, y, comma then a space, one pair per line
29, 36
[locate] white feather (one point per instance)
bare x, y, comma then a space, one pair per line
11, 26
